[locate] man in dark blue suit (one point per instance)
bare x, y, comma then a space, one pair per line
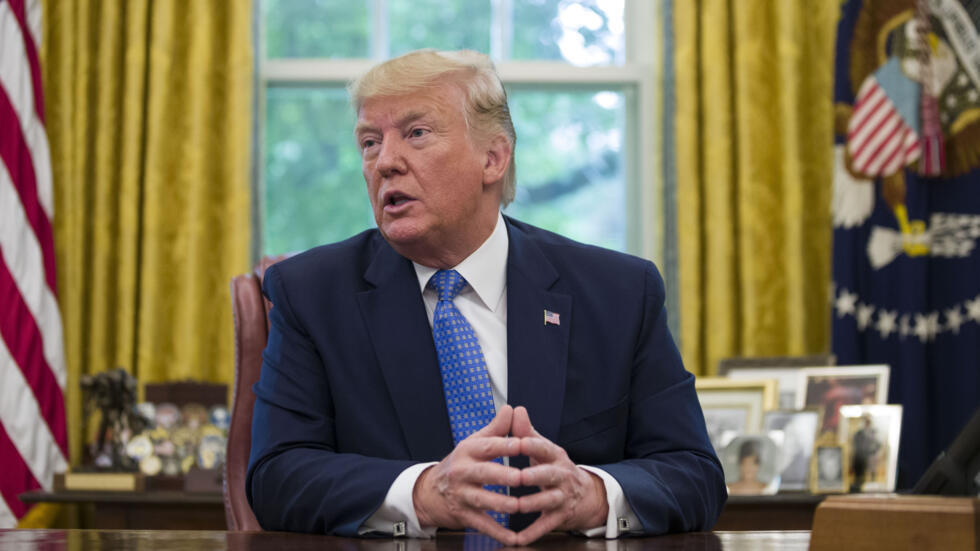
374, 413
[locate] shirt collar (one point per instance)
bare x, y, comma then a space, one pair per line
485, 269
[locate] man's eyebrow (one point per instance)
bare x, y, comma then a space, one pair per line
406, 119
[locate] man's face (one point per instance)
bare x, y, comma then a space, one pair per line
425, 175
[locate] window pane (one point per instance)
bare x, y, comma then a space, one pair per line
582, 32
314, 191
316, 28
439, 24
570, 175
569, 158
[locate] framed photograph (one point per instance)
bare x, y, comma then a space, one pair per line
829, 388
827, 469
785, 369
751, 464
799, 429
871, 433
732, 407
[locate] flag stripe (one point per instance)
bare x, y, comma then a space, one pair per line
24, 343
34, 20
15, 155
862, 113
30, 44
22, 254
19, 414
7, 518
15, 78
886, 149
865, 156
33, 427
899, 156
874, 120
15, 477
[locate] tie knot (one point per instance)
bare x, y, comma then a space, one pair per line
447, 283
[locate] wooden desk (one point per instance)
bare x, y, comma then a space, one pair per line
778, 512
84, 540
172, 510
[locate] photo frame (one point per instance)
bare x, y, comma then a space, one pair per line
872, 435
828, 388
731, 407
827, 472
785, 369
751, 464
800, 429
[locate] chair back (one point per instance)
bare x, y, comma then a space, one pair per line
251, 313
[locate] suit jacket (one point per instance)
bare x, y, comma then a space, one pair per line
351, 394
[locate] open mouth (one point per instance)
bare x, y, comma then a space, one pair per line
395, 199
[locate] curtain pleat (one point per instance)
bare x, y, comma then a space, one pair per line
149, 118
753, 130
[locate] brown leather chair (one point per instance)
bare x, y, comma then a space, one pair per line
251, 312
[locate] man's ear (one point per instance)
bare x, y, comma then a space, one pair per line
498, 159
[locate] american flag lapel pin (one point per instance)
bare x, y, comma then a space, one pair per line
551, 317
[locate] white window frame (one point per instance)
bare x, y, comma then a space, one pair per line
638, 78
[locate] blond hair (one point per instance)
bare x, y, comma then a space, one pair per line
485, 108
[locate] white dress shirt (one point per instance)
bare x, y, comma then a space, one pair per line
484, 305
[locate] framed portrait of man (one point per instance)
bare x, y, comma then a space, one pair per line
829, 388
872, 434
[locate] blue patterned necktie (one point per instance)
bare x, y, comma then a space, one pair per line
465, 380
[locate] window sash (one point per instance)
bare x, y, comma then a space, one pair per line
637, 78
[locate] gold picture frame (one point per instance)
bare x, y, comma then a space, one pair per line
734, 406
828, 469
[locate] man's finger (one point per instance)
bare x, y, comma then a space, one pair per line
521, 425
482, 499
500, 424
482, 522
544, 476
487, 448
490, 472
545, 500
540, 449
545, 523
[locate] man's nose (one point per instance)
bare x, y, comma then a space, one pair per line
390, 158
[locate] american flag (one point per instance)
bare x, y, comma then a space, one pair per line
882, 133
33, 434
551, 317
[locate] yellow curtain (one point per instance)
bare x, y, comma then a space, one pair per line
754, 126
149, 116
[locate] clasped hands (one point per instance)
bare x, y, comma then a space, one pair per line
450, 494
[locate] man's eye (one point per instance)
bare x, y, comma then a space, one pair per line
368, 143
418, 132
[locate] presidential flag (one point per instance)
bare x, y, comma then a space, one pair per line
33, 435
906, 210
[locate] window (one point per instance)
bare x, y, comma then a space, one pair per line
579, 82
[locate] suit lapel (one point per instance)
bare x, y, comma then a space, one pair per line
396, 320
537, 353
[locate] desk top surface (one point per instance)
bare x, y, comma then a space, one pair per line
81, 540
